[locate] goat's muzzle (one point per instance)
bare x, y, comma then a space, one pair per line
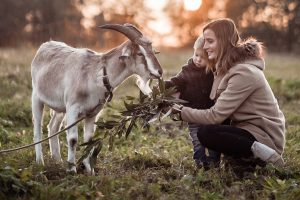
156, 76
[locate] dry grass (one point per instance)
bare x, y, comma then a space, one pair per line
154, 164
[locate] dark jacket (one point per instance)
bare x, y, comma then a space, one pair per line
194, 85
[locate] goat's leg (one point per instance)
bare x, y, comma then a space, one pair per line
72, 137
89, 129
54, 126
37, 114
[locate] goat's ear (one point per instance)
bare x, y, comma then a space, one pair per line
126, 53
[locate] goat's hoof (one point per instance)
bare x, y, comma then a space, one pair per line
40, 161
90, 172
72, 170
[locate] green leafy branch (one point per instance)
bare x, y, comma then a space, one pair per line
143, 111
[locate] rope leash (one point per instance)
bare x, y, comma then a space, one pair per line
33, 144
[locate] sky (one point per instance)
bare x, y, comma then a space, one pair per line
161, 23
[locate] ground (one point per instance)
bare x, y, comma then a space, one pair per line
151, 164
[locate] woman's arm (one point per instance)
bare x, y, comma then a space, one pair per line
240, 86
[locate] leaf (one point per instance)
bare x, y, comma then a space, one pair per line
154, 118
127, 105
175, 100
128, 113
130, 98
106, 125
96, 151
132, 122
142, 97
161, 85
167, 113
85, 154
155, 92
115, 116
111, 142
89, 147
170, 91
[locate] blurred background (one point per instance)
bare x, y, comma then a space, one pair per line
154, 164
169, 23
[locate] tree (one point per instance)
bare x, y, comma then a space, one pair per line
120, 12
12, 21
55, 19
276, 23
187, 24
39, 20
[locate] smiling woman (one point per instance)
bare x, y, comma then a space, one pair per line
192, 5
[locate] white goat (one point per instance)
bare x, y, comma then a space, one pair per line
75, 82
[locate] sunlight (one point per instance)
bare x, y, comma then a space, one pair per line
160, 22
192, 5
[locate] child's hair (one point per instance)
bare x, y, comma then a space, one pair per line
199, 44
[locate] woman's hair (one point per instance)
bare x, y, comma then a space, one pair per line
199, 44
229, 43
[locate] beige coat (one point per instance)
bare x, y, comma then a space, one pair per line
244, 95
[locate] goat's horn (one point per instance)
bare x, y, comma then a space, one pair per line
128, 30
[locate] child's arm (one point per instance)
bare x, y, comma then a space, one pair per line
178, 81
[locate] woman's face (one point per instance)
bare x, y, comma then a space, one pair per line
210, 44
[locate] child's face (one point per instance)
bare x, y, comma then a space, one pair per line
198, 59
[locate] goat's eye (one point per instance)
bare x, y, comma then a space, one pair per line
140, 54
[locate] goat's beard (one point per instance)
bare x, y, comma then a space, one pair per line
143, 85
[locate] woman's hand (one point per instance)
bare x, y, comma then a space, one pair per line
176, 108
176, 112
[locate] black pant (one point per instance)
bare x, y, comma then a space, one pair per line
226, 139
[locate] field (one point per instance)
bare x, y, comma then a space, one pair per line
151, 164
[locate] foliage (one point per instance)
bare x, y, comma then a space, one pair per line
275, 23
276, 33
147, 110
288, 90
39, 20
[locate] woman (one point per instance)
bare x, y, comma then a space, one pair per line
242, 94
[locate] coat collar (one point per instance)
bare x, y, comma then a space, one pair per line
217, 80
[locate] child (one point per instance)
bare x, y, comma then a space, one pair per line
193, 84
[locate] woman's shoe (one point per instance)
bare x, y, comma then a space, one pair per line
267, 154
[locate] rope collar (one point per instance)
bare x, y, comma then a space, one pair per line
108, 93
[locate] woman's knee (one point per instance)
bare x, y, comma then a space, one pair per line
204, 133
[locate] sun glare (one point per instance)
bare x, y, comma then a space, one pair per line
192, 5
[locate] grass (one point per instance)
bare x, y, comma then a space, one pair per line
151, 164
